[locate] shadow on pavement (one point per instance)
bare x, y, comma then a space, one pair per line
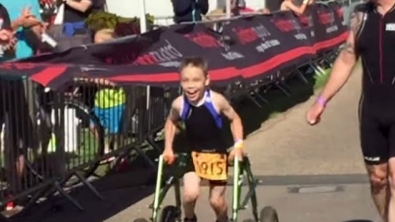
120, 192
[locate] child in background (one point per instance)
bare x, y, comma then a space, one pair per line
109, 101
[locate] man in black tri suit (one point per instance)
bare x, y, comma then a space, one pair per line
372, 38
201, 111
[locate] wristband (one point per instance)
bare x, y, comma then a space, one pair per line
320, 100
238, 144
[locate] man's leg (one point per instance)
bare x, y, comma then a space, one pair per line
391, 163
375, 148
391, 208
218, 200
378, 177
191, 194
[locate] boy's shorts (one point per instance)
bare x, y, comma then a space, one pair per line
110, 118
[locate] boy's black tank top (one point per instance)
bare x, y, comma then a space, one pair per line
202, 131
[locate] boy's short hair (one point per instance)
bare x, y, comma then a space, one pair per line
197, 62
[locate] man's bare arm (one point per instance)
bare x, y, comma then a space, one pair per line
81, 6
171, 123
345, 62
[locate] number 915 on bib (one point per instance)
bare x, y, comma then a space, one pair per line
210, 166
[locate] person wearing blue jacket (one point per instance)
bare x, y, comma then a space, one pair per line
189, 10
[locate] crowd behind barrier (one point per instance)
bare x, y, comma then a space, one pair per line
68, 113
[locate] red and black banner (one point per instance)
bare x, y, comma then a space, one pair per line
246, 49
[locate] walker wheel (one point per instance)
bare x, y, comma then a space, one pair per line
169, 214
268, 214
141, 220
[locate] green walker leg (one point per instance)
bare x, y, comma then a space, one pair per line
252, 183
236, 192
158, 194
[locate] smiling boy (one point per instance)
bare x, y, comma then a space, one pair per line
201, 110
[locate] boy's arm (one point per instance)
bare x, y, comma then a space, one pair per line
235, 122
171, 123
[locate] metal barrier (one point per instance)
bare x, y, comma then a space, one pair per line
55, 140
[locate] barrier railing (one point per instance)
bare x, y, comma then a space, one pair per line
63, 116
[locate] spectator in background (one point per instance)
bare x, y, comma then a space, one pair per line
7, 38
289, 5
110, 100
189, 10
16, 16
76, 12
240, 7
24, 14
237, 7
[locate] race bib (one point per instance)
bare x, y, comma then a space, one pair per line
210, 166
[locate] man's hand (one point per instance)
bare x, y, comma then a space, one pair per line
40, 29
27, 19
11, 44
6, 36
7, 40
314, 113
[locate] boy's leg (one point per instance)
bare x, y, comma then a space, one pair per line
102, 115
114, 117
191, 194
114, 124
99, 113
218, 200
